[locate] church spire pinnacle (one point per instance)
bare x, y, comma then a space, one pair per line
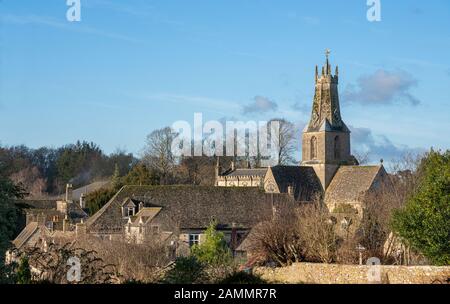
327, 64
326, 110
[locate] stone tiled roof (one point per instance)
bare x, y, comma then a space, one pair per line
76, 194
304, 180
146, 213
48, 208
191, 206
351, 183
26, 233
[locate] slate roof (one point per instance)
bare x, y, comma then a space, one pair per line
304, 180
351, 183
191, 206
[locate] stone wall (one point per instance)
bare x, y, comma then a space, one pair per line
353, 274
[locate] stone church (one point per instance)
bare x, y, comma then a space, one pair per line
327, 165
241, 197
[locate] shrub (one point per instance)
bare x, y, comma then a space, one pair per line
242, 277
24, 272
186, 270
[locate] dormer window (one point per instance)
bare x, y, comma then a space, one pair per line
130, 211
128, 208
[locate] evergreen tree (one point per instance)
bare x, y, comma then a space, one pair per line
140, 175
24, 272
214, 249
8, 212
424, 223
116, 181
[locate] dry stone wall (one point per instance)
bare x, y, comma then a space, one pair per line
353, 274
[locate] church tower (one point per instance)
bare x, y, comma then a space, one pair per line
326, 139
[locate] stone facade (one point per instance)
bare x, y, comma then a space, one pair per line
326, 139
353, 274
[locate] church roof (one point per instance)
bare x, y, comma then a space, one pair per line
192, 206
261, 172
351, 183
304, 180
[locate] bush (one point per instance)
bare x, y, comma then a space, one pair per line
242, 277
186, 270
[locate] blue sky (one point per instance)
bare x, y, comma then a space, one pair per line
133, 66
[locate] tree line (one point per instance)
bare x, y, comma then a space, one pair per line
45, 171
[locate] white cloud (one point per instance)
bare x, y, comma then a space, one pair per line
378, 146
260, 105
383, 88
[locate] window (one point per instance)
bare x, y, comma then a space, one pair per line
193, 239
155, 229
130, 211
337, 148
313, 147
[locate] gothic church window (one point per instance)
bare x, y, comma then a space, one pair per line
313, 147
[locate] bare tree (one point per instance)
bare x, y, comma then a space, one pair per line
318, 231
133, 262
158, 152
285, 142
363, 157
52, 265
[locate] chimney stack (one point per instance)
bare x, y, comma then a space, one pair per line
66, 224
291, 190
82, 203
69, 192
41, 219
